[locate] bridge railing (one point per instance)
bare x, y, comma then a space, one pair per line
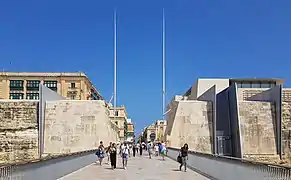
51, 167
228, 168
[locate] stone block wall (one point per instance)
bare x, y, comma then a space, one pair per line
72, 126
192, 124
257, 128
286, 131
18, 130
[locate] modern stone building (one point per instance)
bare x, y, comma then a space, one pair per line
32, 129
25, 85
119, 117
246, 118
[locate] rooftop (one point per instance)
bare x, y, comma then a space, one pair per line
45, 74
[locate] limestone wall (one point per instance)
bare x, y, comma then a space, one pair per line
257, 128
192, 124
18, 130
72, 126
286, 130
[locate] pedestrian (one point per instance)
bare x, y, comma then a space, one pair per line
163, 150
112, 153
156, 149
124, 155
150, 150
140, 150
107, 152
100, 153
137, 147
133, 150
184, 157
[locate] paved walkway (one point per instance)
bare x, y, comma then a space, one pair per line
139, 168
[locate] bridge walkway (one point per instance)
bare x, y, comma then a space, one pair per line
139, 168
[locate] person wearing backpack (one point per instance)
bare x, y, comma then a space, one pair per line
100, 152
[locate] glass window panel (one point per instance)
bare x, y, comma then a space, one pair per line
246, 85
265, 85
256, 85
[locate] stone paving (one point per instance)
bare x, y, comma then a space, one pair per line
139, 168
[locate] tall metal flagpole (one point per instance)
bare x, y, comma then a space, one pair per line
115, 58
164, 67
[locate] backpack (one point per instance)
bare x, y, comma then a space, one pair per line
99, 152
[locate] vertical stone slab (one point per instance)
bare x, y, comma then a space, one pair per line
273, 95
45, 94
257, 123
210, 95
72, 126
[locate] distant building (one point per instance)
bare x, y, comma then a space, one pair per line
160, 129
118, 116
149, 132
25, 85
130, 131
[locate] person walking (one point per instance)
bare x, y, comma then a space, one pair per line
157, 149
163, 150
140, 150
112, 153
137, 147
150, 149
124, 155
107, 152
133, 150
184, 156
100, 153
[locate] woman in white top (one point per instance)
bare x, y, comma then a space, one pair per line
157, 149
124, 154
164, 150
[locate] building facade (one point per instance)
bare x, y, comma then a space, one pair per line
150, 133
246, 118
130, 131
118, 116
25, 85
160, 129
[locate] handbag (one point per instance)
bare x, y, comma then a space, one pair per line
179, 158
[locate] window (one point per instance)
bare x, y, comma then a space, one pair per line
16, 96
239, 85
32, 96
116, 113
256, 85
53, 85
246, 85
265, 85
73, 97
32, 85
94, 95
16, 85
73, 85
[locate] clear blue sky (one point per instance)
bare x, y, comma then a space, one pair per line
222, 38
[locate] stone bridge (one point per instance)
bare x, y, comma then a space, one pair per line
81, 165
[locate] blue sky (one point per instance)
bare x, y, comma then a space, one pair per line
251, 38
